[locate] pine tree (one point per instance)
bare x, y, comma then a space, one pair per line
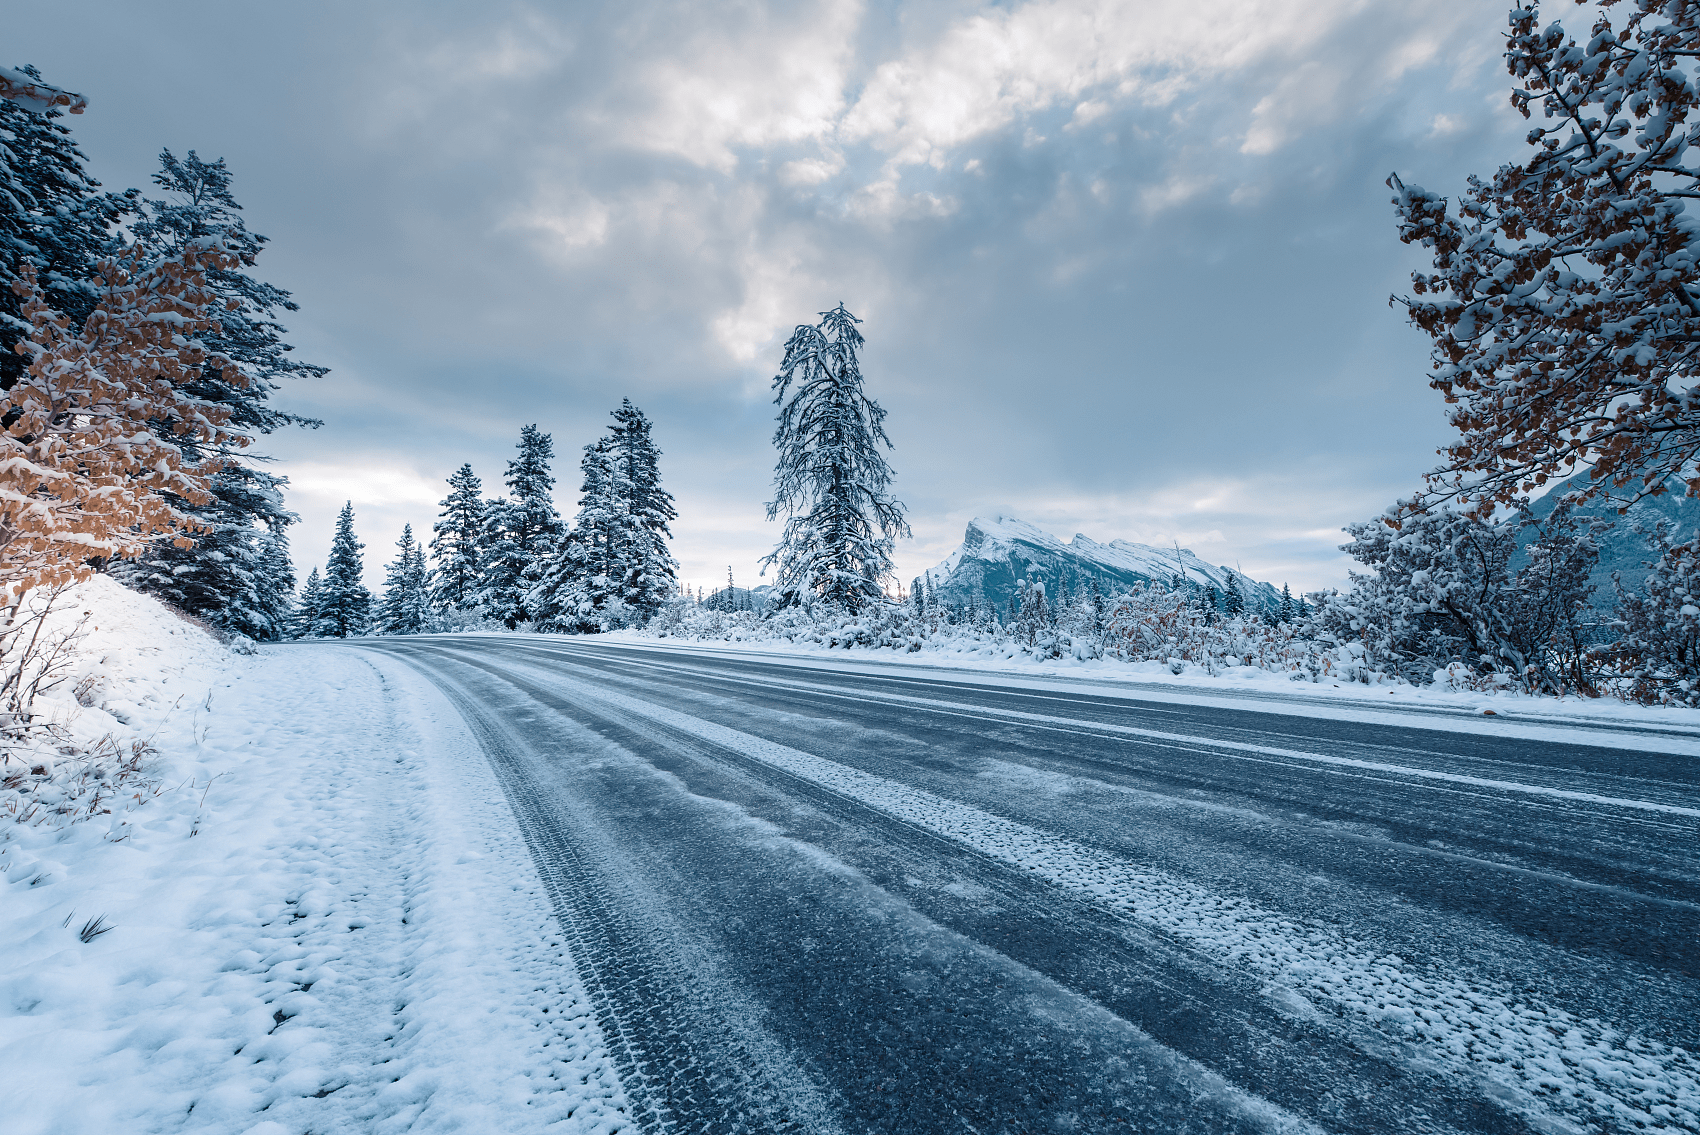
521, 532
306, 615
52, 216
1285, 613
252, 359
345, 606
831, 479
200, 206
1233, 601
454, 542
579, 585
274, 581
406, 608
646, 570
220, 577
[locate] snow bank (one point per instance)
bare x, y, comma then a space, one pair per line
1504, 710
132, 666
320, 916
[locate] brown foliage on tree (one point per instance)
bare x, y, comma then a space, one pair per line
37, 95
91, 457
1564, 303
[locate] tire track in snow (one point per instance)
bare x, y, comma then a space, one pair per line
1538, 1061
647, 1004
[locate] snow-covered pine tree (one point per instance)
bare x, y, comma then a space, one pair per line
647, 571
199, 206
405, 608
521, 532
579, 586
275, 582
454, 542
1233, 600
831, 480
345, 606
1284, 613
306, 615
52, 215
220, 578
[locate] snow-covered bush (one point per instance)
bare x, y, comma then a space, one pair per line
1175, 627
1657, 656
1442, 596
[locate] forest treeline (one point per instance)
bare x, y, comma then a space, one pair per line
512, 561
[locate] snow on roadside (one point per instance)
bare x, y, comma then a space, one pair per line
1493, 712
325, 919
133, 666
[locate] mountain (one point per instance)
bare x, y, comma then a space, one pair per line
1621, 550
998, 551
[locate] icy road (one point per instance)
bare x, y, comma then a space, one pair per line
803, 899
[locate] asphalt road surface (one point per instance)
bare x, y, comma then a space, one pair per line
806, 900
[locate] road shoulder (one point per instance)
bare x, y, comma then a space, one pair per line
332, 923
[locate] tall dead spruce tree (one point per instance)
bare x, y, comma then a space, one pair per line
831, 480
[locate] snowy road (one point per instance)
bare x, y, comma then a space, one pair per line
817, 901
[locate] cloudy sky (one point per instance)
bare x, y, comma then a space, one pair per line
1123, 267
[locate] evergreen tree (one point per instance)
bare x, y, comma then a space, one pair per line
345, 606
1233, 601
454, 542
274, 581
831, 479
221, 577
579, 586
53, 216
1285, 613
646, 571
199, 206
521, 532
406, 607
306, 615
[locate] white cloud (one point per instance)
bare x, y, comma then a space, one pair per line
812, 171
993, 68
574, 221
1444, 125
746, 78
